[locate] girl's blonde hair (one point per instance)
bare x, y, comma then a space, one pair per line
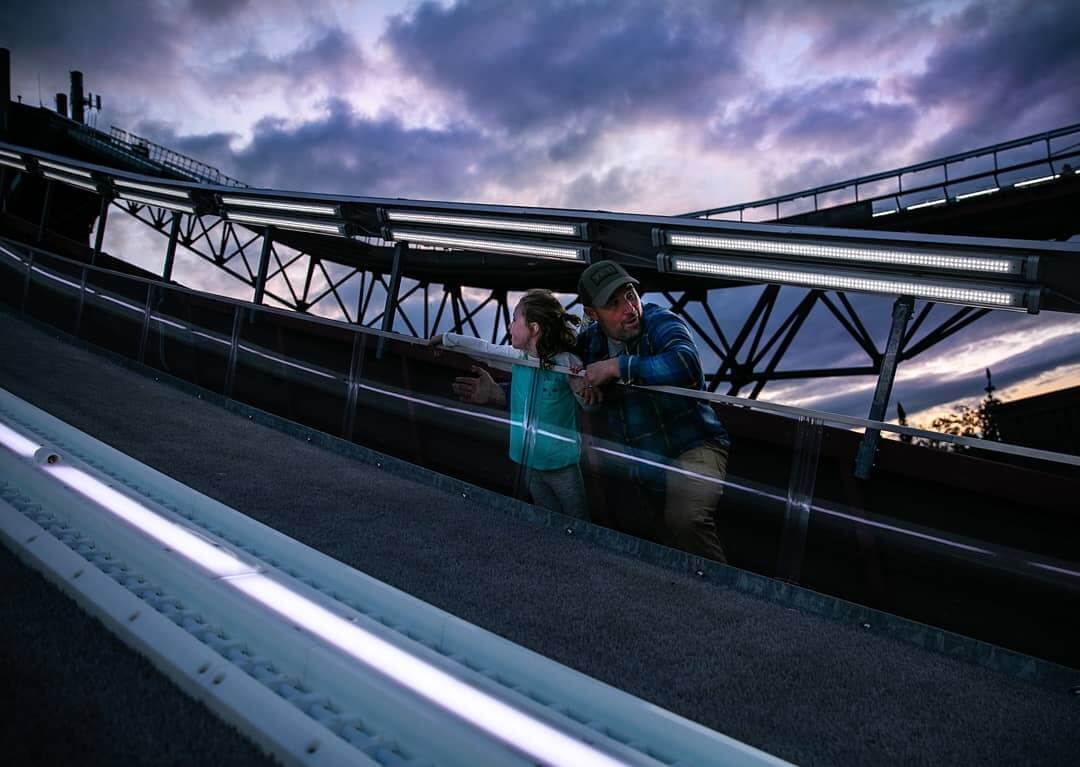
557, 326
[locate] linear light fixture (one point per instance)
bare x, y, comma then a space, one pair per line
12, 164
1018, 298
1004, 265
980, 193
168, 204
525, 226
540, 741
160, 190
71, 181
888, 212
558, 252
282, 207
928, 204
1033, 181
295, 224
10, 155
65, 169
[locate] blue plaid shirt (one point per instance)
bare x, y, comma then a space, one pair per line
655, 426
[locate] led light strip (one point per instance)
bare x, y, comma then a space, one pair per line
928, 204
856, 254
287, 223
509, 725
1033, 181
160, 190
288, 207
508, 247
885, 213
1001, 299
65, 169
169, 204
475, 222
10, 155
71, 181
980, 193
16, 165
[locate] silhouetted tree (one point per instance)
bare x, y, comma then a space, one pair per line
965, 421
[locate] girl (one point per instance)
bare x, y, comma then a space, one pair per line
543, 403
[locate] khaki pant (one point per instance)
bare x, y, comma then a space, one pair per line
693, 489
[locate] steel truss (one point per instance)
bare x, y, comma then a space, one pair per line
748, 355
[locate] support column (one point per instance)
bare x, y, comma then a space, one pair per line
99, 236
390, 308
264, 265
170, 252
864, 461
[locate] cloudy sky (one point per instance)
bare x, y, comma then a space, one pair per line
632, 106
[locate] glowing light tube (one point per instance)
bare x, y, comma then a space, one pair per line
71, 181
169, 204
476, 222
15, 165
928, 204
1033, 181
10, 155
159, 190
283, 207
980, 193
17, 443
506, 247
953, 292
300, 225
65, 169
515, 728
862, 254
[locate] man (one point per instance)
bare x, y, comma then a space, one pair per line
678, 446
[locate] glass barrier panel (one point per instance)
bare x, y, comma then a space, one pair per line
190, 337
406, 406
13, 270
687, 474
114, 313
973, 541
293, 367
54, 293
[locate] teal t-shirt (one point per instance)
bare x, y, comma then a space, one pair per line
543, 415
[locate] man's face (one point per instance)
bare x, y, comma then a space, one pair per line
620, 317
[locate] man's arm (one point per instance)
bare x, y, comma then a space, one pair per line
677, 362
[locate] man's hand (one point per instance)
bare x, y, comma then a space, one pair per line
479, 390
596, 375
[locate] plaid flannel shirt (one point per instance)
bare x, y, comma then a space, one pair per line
655, 426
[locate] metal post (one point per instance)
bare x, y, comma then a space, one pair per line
144, 334
170, 252
390, 308
902, 309
804, 466
99, 236
26, 280
356, 365
82, 300
264, 265
234, 345
44, 210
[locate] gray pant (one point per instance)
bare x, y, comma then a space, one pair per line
561, 490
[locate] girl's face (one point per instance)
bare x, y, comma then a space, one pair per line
523, 335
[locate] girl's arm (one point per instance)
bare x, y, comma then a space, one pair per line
469, 344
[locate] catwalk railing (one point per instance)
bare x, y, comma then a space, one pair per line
1020, 163
978, 540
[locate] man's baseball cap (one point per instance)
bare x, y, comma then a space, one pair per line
600, 280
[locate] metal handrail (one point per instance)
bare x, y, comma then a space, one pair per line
898, 173
787, 411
